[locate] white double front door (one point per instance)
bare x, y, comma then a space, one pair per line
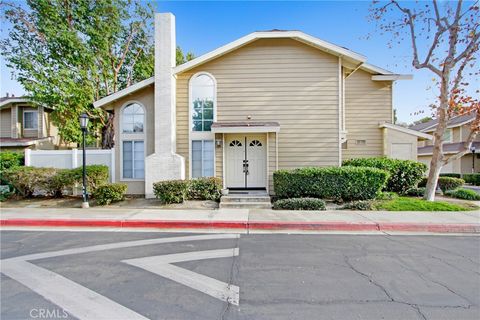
245, 161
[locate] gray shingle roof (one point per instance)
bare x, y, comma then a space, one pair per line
451, 123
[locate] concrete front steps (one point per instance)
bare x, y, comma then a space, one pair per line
246, 201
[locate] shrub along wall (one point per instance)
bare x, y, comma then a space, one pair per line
177, 191
339, 183
53, 182
404, 174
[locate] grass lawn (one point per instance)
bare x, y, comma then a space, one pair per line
417, 204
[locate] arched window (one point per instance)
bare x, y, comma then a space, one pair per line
133, 118
132, 135
203, 102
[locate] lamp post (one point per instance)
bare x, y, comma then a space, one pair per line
472, 148
83, 125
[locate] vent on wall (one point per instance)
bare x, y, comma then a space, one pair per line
361, 142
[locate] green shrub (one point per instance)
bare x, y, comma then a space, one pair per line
299, 204
386, 195
339, 183
462, 193
28, 180
5, 193
110, 192
97, 175
422, 183
451, 175
404, 174
416, 192
362, 205
204, 189
171, 191
472, 178
447, 183
9, 160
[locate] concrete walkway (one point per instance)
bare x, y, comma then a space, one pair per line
242, 220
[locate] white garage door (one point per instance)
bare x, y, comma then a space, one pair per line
402, 151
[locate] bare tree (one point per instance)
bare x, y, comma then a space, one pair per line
447, 35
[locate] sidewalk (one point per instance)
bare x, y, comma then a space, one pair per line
244, 221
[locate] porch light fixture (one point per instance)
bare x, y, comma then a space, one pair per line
83, 125
218, 143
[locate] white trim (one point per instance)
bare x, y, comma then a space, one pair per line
267, 167
339, 74
223, 161
120, 94
406, 130
297, 35
23, 119
200, 135
374, 69
135, 136
243, 129
276, 150
392, 77
14, 100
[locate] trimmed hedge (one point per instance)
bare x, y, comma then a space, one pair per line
416, 192
171, 191
404, 174
9, 160
110, 192
339, 183
451, 175
204, 189
299, 204
472, 178
52, 181
462, 193
97, 175
448, 183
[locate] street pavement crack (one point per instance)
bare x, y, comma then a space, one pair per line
233, 273
382, 288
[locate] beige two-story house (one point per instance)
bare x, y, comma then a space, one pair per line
267, 101
25, 126
457, 132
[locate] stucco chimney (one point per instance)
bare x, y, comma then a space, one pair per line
164, 163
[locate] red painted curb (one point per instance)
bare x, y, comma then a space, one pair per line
253, 225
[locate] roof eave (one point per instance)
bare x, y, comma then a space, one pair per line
124, 92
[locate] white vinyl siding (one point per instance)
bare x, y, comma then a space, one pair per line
280, 80
367, 104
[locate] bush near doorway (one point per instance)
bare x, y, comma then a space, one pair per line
338, 183
404, 174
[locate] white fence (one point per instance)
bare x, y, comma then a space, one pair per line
69, 159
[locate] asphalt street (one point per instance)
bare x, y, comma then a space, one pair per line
137, 275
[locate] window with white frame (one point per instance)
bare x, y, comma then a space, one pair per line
132, 133
133, 159
133, 118
203, 102
447, 136
202, 158
30, 119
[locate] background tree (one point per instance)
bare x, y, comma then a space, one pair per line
447, 36
69, 53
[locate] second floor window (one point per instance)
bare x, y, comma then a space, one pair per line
203, 102
133, 118
30, 120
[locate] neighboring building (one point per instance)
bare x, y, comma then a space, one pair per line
458, 129
267, 101
24, 126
